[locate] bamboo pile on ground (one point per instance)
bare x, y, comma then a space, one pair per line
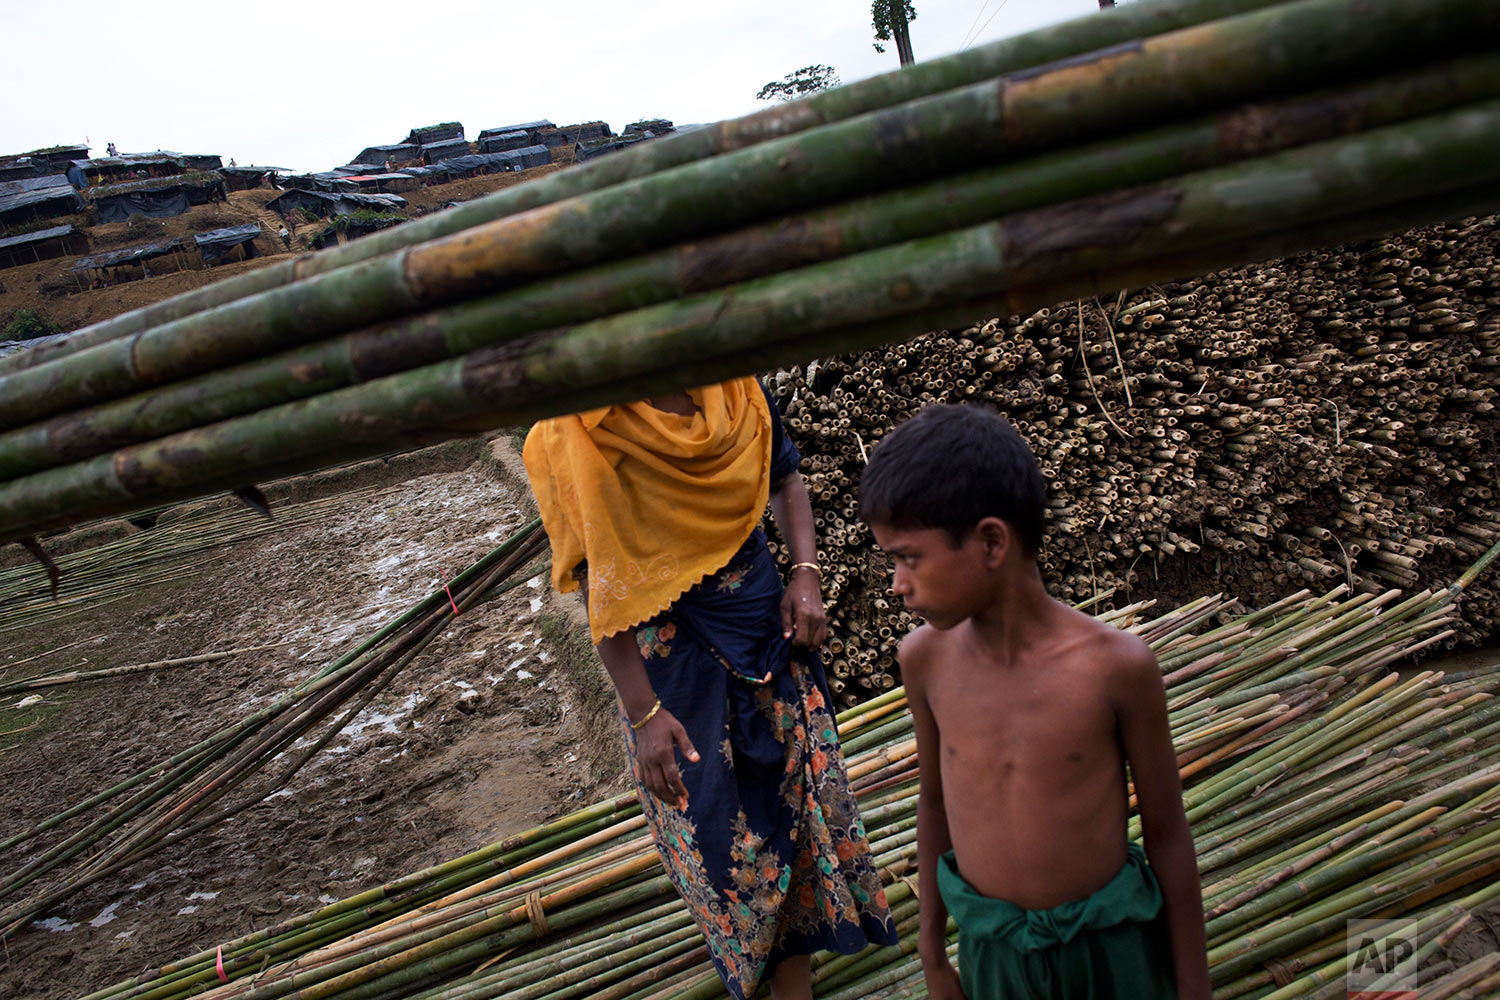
1322, 788
225, 773
1319, 418
1047, 165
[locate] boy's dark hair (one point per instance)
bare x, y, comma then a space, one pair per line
950, 467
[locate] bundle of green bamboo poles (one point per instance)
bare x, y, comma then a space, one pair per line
1321, 787
1162, 139
225, 773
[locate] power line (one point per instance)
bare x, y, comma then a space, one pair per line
987, 23
963, 43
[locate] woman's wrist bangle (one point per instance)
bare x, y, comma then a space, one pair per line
648, 716
807, 565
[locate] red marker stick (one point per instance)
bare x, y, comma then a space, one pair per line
449, 592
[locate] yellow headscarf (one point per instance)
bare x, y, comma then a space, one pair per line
654, 501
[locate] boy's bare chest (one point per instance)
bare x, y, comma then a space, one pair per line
1044, 726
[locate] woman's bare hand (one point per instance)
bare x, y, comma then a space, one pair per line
804, 620
656, 746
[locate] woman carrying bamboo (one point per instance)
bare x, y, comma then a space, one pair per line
654, 509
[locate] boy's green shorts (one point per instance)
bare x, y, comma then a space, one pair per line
1111, 945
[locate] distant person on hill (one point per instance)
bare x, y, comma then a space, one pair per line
286, 237
1027, 714
111, 150
653, 508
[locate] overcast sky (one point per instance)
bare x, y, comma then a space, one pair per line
307, 86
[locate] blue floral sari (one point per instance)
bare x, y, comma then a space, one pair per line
770, 853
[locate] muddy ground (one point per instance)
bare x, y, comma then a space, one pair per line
499, 726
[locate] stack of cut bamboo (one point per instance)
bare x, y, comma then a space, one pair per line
1321, 789
1326, 417
1152, 142
224, 773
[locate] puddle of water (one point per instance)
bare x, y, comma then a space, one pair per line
106, 915
56, 925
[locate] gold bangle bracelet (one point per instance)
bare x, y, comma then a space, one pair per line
649, 716
807, 565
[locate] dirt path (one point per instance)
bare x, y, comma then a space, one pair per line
496, 728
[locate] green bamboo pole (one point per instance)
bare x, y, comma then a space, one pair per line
509, 385
1025, 51
147, 833
1302, 44
1400, 851
679, 271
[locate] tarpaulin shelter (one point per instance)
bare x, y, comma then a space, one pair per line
488, 140
57, 156
201, 161
245, 178
432, 152
383, 182
33, 183
650, 127
530, 128
398, 154
585, 131
583, 151
44, 244
111, 169
435, 174
108, 262
216, 245
85, 172
24, 166
22, 200
351, 227
429, 134
494, 163
501, 142
326, 180
12, 346
326, 203
158, 197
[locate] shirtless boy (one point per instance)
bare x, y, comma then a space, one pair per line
1027, 715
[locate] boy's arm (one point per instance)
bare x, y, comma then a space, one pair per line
933, 838
1147, 740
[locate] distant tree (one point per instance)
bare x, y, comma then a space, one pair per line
889, 19
28, 324
1106, 3
807, 80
